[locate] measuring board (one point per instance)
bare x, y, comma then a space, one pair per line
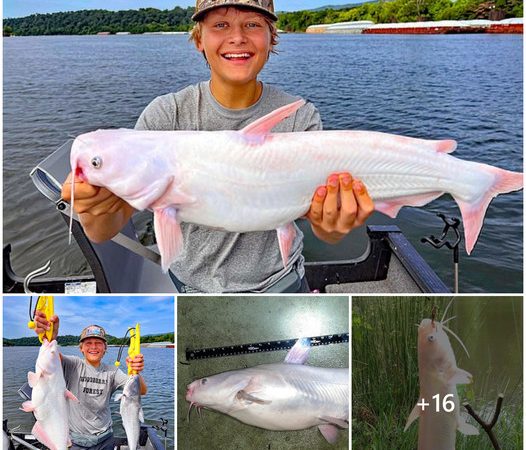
258, 347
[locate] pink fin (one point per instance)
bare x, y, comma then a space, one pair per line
473, 213
32, 378
460, 376
330, 433
342, 423
69, 395
442, 146
28, 406
392, 207
299, 352
169, 235
264, 125
39, 432
286, 235
415, 414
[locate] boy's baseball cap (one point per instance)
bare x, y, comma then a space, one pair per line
93, 331
263, 6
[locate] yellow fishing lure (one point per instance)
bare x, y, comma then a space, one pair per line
45, 304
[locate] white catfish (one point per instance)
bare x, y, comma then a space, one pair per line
286, 396
48, 399
438, 375
253, 180
131, 410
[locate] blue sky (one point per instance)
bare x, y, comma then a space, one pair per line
115, 314
22, 8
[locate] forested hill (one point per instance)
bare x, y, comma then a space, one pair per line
178, 19
74, 340
94, 21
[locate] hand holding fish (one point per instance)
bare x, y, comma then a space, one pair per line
339, 207
42, 324
101, 212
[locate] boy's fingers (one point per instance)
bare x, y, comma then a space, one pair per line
364, 201
315, 214
349, 206
330, 205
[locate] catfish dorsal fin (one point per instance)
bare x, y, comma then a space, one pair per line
263, 125
299, 352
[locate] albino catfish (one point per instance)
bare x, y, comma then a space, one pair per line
131, 410
254, 180
48, 399
438, 375
286, 396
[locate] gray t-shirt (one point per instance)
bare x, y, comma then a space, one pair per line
214, 260
93, 387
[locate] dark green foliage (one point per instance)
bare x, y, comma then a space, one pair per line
98, 20
179, 19
74, 340
399, 11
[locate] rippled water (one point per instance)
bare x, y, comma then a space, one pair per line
465, 87
158, 373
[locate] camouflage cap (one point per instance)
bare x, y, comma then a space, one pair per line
93, 331
264, 6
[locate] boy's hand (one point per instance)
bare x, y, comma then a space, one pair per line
137, 363
91, 199
339, 207
42, 324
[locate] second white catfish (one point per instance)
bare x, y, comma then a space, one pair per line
254, 180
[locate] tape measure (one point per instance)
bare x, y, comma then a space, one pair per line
258, 347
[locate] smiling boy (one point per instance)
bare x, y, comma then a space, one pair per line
236, 39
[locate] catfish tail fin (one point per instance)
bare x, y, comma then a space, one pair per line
473, 213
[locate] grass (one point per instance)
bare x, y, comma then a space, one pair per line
385, 378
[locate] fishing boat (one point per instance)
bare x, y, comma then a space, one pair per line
16, 439
390, 263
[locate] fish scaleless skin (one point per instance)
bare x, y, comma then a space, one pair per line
48, 399
438, 374
253, 180
131, 410
278, 396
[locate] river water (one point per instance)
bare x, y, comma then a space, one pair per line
465, 87
158, 373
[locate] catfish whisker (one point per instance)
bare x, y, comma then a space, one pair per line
457, 338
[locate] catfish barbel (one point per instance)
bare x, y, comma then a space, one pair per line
254, 180
283, 397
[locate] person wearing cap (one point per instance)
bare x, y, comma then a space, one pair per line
236, 39
93, 383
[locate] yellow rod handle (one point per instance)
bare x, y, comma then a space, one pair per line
45, 304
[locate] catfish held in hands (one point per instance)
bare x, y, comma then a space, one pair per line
254, 180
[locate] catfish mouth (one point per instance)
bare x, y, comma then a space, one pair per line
79, 173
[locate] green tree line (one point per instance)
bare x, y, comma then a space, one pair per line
405, 11
74, 340
95, 21
179, 19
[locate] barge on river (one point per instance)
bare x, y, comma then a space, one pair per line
505, 26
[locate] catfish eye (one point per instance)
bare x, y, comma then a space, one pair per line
431, 338
96, 162
203, 381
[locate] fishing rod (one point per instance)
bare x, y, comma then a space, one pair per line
259, 347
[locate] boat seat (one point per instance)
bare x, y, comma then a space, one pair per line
116, 268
